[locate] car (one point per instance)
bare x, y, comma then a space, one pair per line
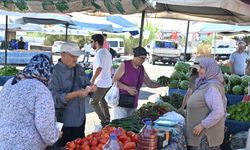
56, 47
117, 44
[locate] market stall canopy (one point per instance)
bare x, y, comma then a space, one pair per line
39, 18
109, 6
226, 11
61, 30
218, 28
21, 27
112, 24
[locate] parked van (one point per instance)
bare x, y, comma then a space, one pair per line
163, 51
117, 44
223, 49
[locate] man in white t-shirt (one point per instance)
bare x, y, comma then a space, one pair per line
101, 78
238, 59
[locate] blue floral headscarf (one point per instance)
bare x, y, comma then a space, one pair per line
39, 67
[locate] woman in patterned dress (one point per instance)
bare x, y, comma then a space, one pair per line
27, 114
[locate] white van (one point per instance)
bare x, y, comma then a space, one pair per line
117, 44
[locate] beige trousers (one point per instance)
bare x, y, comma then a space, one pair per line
100, 105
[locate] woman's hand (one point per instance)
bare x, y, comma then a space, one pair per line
198, 129
132, 91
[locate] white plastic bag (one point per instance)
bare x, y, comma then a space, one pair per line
112, 96
174, 116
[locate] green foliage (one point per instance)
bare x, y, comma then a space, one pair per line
173, 84
50, 39
184, 84
62, 6
119, 6
178, 75
93, 2
8, 71
182, 66
240, 112
163, 80
46, 4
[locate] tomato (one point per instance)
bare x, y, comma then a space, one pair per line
85, 147
78, 141
135, 138
130, 133
71, 145
103, 140
129, 145
122, 137
97, 134
89, 137
100, 145
93, 142
86, 143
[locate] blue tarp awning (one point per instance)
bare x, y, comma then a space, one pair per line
113, 24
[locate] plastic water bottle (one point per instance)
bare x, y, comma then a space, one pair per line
147, 137
112, 143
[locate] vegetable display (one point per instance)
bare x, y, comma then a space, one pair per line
175, 100
96, 140
240, 112
163, 80
8, 71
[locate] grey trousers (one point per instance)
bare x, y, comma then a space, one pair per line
100, 105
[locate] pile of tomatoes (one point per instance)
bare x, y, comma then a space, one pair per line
96, 140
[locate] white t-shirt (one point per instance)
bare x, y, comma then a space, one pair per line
239, 62
103, 59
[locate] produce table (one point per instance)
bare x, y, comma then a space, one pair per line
3, 79
231, 99
20, 56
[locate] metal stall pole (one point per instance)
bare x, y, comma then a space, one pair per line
142, 26
6, 40
186, 42
66, 36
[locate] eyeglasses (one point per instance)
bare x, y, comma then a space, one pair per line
71, 55
91, 41
143, 58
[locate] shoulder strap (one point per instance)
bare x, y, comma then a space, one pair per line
74, 79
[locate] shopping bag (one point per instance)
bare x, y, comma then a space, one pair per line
112, 96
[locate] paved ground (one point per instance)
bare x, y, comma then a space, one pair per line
146, 94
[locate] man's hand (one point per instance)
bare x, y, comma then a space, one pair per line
132, 90
91, 89
82, 93
198, 129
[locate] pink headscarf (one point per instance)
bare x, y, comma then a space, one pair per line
213, 73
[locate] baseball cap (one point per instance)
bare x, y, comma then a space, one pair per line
140, 51
196, 65
72, 48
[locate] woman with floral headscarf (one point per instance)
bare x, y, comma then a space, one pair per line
27, 114
206, 108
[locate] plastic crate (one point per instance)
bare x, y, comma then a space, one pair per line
233, 99
234, 126
4, 79
178, 91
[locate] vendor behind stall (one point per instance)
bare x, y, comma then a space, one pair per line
21, 43
206, 108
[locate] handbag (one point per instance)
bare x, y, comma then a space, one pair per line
59, 111
127, 101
